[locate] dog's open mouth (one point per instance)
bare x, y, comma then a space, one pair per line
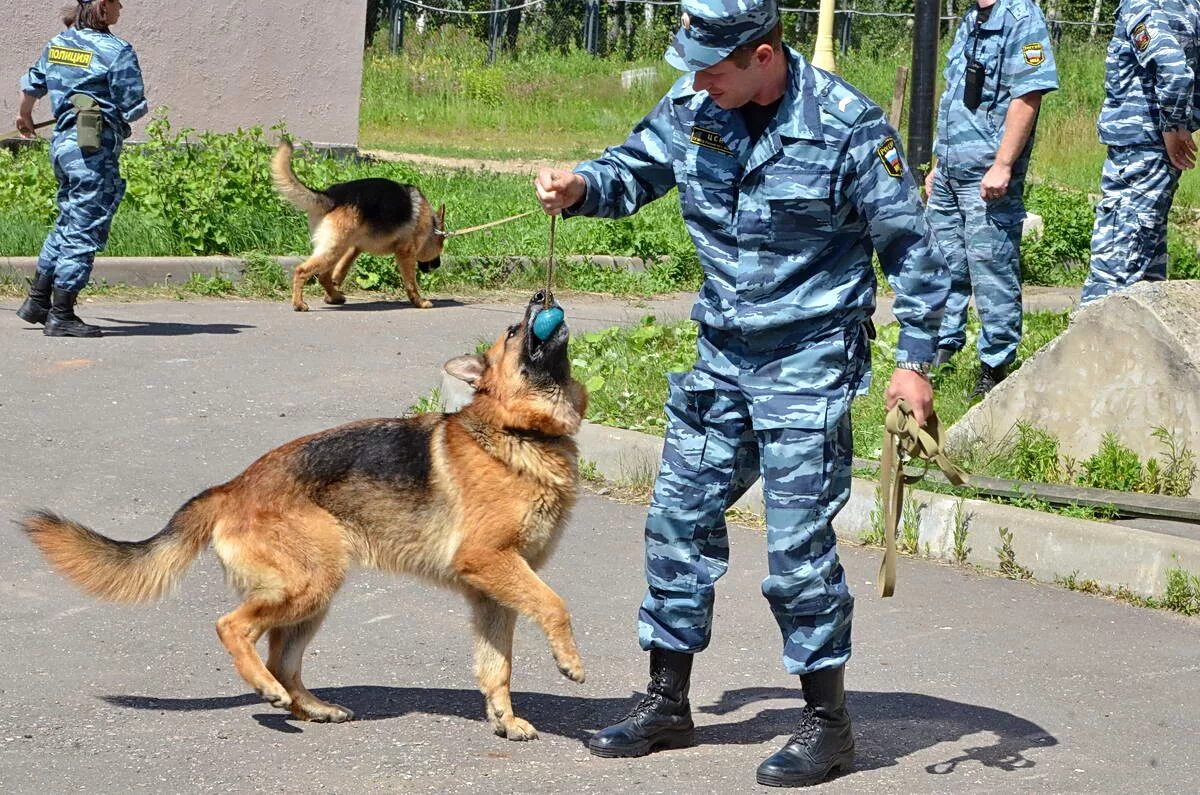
549, 355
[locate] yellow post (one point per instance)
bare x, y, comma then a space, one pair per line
823, 55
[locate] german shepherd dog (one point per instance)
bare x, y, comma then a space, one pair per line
473, 500
377, 216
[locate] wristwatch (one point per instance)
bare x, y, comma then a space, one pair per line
917, 367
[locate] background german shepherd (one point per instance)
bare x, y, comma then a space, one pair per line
378, 216
473, 500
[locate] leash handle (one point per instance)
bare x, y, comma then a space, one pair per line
550, 265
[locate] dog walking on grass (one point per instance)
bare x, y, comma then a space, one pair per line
473, 501
376, 216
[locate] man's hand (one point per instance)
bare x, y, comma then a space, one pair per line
995, 182
25, 125
1181, 149
914, 388
558, 189
929, 185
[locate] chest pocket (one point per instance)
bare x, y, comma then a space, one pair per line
799, 203
711, 179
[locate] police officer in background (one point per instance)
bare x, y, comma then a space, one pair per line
95, 87
1151, 108
788, 178
999, 66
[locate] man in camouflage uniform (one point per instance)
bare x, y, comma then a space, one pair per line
85, 60
788, 178
999, 66
1151, 108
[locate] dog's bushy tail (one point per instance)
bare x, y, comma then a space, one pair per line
290, 186
126, 571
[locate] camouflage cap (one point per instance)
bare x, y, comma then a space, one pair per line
711, 29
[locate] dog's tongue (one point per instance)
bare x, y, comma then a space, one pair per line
546, 322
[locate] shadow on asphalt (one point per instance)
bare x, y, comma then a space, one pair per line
380, 306
888, 726
139, 328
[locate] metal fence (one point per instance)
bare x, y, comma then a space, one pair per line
603, 27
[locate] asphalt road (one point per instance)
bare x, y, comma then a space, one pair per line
961, 683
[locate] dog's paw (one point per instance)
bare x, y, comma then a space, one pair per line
572, 669
335, 300
424, 303
300, 307
517, 729
322, 713
276, 698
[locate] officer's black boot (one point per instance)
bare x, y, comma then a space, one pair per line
37, 305
988, 378
822, 743
62, 320
943, 357
662, 720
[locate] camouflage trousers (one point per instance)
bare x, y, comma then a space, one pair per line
981, 242
89, 189
1129, 240
737, 415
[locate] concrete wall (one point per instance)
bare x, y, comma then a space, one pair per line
220, 64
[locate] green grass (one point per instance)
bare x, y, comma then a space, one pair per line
625, 371
436, 98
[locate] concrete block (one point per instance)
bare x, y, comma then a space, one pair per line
1033, 226
1126, 364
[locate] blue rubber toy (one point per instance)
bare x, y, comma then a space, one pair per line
546, 321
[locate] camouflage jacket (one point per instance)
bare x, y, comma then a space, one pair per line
785, 228
1149, 82
85, 61
1014, 47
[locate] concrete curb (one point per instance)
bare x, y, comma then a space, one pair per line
159, 271
1049, 545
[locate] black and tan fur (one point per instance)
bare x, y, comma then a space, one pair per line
473, 501
376, 216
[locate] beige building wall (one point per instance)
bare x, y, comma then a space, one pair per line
220, 64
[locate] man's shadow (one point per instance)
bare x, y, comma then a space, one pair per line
888, 726
116, 327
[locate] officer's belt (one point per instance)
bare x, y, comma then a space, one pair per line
904, 439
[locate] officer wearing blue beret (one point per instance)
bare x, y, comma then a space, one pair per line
999, 67
788, 179
1151, 108
95, 87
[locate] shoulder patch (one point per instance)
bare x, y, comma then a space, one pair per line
842, 104
69, 56
1035, 53
1141, 37
710, 139
889, 155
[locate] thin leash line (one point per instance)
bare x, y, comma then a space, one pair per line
468, 230
550, 265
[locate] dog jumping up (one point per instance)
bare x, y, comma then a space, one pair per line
474, 501
376, 216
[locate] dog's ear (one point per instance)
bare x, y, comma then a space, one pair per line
441, 214
466, 368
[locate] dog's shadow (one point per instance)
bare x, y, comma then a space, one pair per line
889, 726
386, 304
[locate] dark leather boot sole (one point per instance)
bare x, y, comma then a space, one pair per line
52, 330
663, 741
32, 313
842, 763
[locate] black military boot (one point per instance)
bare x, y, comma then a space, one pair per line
37, 305
943, 357
988, 378
662, 720
62, 320
822, 743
